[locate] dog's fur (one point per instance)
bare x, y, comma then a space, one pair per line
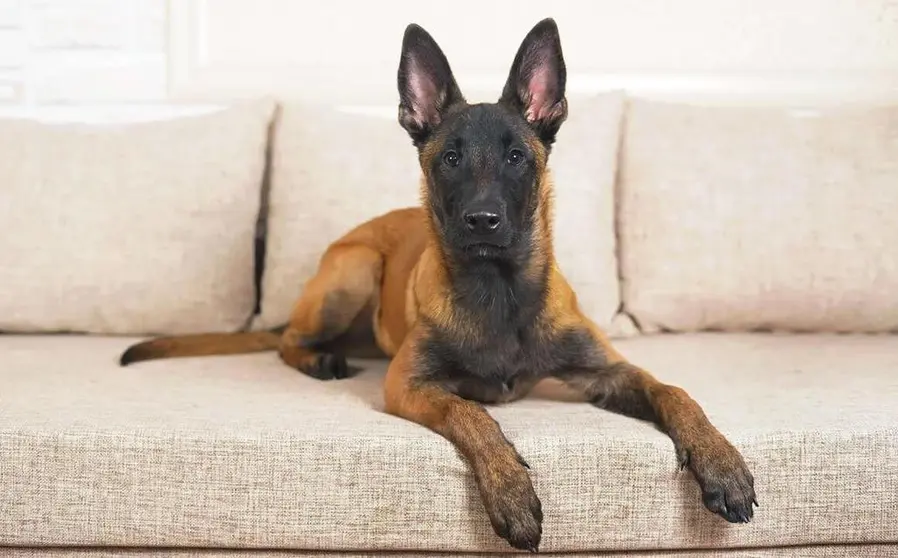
468, 300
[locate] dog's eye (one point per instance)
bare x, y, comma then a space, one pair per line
451, 158
515, 157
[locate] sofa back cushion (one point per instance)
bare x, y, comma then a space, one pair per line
330, 171
333, 170
139, 228
759, 218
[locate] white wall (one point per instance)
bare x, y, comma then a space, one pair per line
347, 50
64, 52
124, 57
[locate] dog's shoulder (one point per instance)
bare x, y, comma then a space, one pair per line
427, 290
561, 306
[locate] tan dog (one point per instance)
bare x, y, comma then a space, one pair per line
470, 304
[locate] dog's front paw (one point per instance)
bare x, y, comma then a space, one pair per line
512, 505
728, 487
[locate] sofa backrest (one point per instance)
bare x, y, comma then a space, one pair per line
678, 217
131, 229
743, 218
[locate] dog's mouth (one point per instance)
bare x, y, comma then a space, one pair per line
485, 250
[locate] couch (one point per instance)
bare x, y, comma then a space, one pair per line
746, 254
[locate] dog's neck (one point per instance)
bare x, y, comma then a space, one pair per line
502, 293
498, 293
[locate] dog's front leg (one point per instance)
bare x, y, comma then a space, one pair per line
499, 471
613, 383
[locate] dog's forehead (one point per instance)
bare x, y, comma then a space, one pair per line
486, 126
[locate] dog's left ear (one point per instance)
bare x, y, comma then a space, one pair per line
535, 85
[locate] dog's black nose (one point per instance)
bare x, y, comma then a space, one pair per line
482, 222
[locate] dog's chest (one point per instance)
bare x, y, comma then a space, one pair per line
494, 366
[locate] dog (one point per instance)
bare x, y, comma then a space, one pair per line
468, 301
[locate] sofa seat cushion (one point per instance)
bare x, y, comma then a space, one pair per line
242, 452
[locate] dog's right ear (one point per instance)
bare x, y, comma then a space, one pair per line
427, 88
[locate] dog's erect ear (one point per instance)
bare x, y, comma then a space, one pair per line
427, 87
535, 85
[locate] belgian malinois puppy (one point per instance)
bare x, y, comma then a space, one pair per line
470, 304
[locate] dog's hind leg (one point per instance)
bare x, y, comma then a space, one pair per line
348, 277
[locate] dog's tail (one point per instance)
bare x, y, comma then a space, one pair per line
201, 344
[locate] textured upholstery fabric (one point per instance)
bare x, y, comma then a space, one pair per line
131, 229
827, 551
332, 171
584, 168
745, 218
242, 452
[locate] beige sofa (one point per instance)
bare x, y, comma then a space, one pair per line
749, 255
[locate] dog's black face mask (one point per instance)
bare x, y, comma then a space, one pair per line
482, 178
484, 163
